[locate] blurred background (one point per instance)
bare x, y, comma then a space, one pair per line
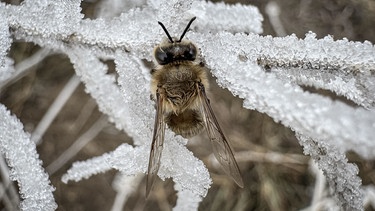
277, 175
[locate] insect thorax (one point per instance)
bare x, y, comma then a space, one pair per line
179, 86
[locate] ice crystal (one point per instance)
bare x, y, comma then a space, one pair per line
268, 73
26, 168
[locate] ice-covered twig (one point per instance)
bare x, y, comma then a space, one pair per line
187, 200
310, 114
9, 193
113, 8
273, 12
99, 84
341, 175
369, 195
318, 117
14, 73
320, 182
217, 17
271, 157
5, 40
26, 168
340, 66
6, 64
124, 186
346, 68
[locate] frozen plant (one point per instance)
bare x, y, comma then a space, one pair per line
26, 168
266, 72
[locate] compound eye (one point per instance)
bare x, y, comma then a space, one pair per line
191, 53
161, 57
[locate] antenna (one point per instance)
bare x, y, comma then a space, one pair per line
186, 29
183, 34
165, 30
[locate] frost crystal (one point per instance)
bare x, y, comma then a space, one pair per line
6, 64
341, 176
45, 19
343, 67
219, 17
5, 40
266, 72
312, 115
26, 168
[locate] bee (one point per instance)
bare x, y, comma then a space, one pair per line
178, 87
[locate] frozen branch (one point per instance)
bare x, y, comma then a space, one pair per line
313, 115
6, 64
324, 120
124, 186
346, 68
341, 175
5, 40
26, 168
17, 71
266, 72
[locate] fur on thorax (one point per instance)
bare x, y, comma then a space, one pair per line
178, 81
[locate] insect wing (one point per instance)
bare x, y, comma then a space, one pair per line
221, 148
156, 145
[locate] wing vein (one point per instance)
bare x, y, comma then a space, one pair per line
157, 143
221, 148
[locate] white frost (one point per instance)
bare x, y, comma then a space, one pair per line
26, 168
266, 72
318, 117
313, 115
340, 175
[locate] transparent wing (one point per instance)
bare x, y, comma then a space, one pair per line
221, 148
156, 145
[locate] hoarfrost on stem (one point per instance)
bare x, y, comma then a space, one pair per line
341, 175
266, 72
318, 117
6, 64
26, 168
311, 114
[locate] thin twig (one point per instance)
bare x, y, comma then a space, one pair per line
78, 145
273, 12
12, 201
21, 68
320, 182
271, 157
125, 186
54, 109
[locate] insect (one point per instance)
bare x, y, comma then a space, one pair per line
178, 88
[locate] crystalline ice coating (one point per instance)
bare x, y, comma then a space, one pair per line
21, 155
187, 200
105, 162
341, 66
6, 69
341, 176
5, 41
100, 85
46, 18
113, 8
134, 82
216, 17
278, 100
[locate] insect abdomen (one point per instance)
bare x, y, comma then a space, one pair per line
187, 124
